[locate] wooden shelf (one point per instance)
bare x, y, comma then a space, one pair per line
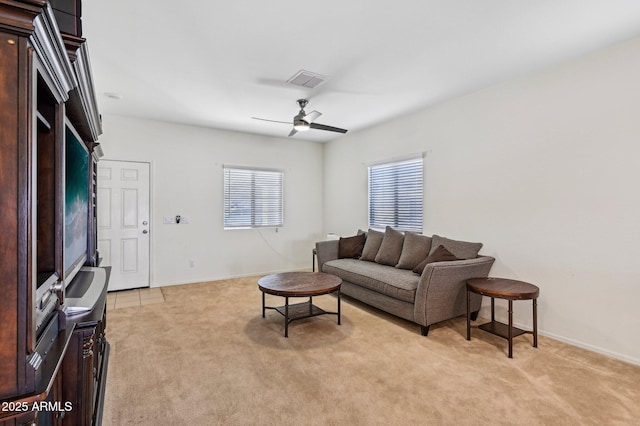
301, 310
500, 329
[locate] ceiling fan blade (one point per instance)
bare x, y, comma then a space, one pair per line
293, 132
272, 121
325, 127
312, 116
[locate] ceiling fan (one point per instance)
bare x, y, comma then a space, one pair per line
303, 121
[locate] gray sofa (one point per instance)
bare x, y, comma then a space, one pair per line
380, 273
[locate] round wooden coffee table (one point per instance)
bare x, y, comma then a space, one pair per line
510, 290
299, 284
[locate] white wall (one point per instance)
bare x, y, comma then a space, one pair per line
545, 171
187, 179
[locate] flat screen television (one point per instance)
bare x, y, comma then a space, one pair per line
88, 283
76, 203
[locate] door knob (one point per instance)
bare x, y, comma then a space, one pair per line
145, 223
145, 231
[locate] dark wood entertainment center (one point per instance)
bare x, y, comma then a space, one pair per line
53, 362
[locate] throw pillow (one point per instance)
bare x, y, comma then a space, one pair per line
440, 254
391, 247
372, 245
351, 247
416, 247
461, 249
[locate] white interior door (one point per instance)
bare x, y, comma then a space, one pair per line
123, 222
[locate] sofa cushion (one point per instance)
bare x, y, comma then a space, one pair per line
391, 247
371, 245
461, 249
440, 254
416, 248
351, 246
399, 284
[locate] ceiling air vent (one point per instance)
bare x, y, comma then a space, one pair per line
307, 79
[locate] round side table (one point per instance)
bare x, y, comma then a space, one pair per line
503, 288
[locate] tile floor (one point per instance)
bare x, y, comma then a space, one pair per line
136, 297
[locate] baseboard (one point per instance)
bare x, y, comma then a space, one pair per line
596, 349
572, 342
230, 277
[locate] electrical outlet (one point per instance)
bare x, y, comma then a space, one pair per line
184, 219
169, 220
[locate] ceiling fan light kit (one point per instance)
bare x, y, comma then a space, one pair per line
303, 121
300, 125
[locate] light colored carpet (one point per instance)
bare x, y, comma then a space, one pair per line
207, 357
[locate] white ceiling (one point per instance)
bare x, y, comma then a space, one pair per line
217, 63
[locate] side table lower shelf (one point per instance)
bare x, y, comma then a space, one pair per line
501, 329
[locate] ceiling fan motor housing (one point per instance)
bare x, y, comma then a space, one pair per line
299, 122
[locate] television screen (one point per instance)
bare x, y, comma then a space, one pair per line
76, 208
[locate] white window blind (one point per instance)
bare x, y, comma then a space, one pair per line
396, 194
253, 198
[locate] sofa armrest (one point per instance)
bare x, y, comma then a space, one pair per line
441, 292
326, 251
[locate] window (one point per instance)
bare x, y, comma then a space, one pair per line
252, 197
395, 194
